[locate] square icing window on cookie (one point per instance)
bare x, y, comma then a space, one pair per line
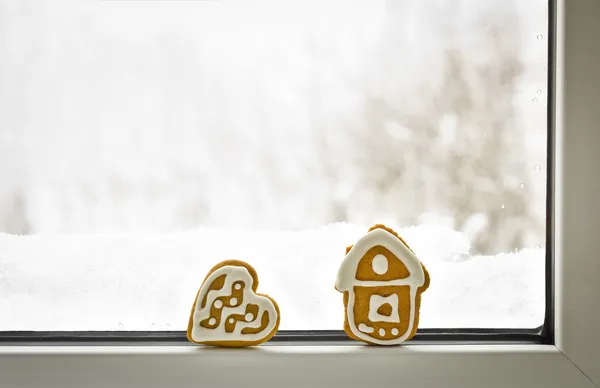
384, 308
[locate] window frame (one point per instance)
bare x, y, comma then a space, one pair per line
569, 355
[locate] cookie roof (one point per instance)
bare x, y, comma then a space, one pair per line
346, 277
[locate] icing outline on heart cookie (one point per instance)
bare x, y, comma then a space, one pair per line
249, 321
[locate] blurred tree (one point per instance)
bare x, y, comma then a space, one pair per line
485, 164
459, 151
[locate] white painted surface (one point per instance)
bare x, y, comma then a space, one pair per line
290, 366
578, 189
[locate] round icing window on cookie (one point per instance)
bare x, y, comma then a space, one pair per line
380, 264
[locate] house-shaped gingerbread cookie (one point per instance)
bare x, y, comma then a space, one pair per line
382, 280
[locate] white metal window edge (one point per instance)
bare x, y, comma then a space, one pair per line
577, 229
573, 362
291, 366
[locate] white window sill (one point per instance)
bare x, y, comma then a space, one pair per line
287, 366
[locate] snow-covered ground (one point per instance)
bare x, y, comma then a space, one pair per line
149, 281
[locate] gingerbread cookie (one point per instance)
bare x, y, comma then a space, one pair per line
228, 311
382, 280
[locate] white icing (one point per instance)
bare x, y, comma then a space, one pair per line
237, 286
231, 320
380, 264
394, 331
364, 328
377, 301
382, 332
218, 304
346, 279
212, 321
249, 317
233, 301
234, 273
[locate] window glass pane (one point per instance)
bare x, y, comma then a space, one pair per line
142, 142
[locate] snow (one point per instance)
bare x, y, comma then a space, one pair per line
142, 142
159, 116
148, 281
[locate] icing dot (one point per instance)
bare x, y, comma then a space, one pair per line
537, 167
534, 100
540, 37
237, 286
231, 320
233, 301
382, 332
218, 304
539, 91
249, 317
502, 206
212, 321
380, 264
394, 331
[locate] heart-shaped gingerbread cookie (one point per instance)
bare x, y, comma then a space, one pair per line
228, 311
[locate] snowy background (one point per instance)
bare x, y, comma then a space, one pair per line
149, 281
141, 142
